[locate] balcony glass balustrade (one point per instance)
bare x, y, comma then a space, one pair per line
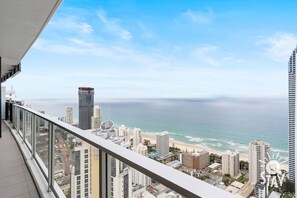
77, 163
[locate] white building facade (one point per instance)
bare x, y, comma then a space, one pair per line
139, 178
69, 115
80, 171
230, 163
258, 156
96, 118
292, 113
162, 141
137, 137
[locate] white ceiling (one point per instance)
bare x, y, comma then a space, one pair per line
21, 22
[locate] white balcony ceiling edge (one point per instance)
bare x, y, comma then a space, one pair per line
21, 22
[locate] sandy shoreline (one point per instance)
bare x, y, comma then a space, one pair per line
190, 147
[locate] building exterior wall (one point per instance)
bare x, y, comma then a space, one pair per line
203, 159
187, 160
69, 115
195, 160
258, 151
230, 163
138, 177
94, 170
292, 113
80, 171
86, 106
162, 140
137, 137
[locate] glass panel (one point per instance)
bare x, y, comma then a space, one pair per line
42, 142
21, 121
73, 170
28, 128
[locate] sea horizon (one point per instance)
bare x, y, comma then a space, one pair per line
222, 123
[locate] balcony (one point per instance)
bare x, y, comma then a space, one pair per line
44, 157
50, 149
15, 177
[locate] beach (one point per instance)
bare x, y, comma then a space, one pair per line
191, 147
187, 147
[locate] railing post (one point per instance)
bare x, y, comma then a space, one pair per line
6, 110
24, 125
18, 119
102, 174
10, 110
51, 146
33, 134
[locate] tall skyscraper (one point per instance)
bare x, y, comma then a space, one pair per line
80, 173
139, 178
292, 95
96, 118
137, 137
230, 163
86, 107
69, 115
258, 153
162, 140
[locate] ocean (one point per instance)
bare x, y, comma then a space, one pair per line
220, 124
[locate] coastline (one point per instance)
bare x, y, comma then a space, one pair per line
186, 146
191, 147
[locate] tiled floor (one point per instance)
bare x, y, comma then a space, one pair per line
15, 179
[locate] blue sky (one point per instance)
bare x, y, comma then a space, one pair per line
162, 49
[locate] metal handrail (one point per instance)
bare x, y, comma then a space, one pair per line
181, 183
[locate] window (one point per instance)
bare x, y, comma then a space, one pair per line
86, 176
86, 150
86, 156
86, 161
86, 171
77, 182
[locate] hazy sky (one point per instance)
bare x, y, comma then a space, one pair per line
163, 49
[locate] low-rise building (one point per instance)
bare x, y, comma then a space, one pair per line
195, 160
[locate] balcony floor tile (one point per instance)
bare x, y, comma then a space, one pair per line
15, 179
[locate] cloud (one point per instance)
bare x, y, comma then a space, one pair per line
71, 23
278, 46
198, 17
210, 55
146, 33
205, 54
112, 25
73, 47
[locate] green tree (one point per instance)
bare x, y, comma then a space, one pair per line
288, 186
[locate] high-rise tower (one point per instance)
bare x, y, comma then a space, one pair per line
258, 153
86, 106
137, 137
69, 115
162, 141
230, 163
96, 118
292, 95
